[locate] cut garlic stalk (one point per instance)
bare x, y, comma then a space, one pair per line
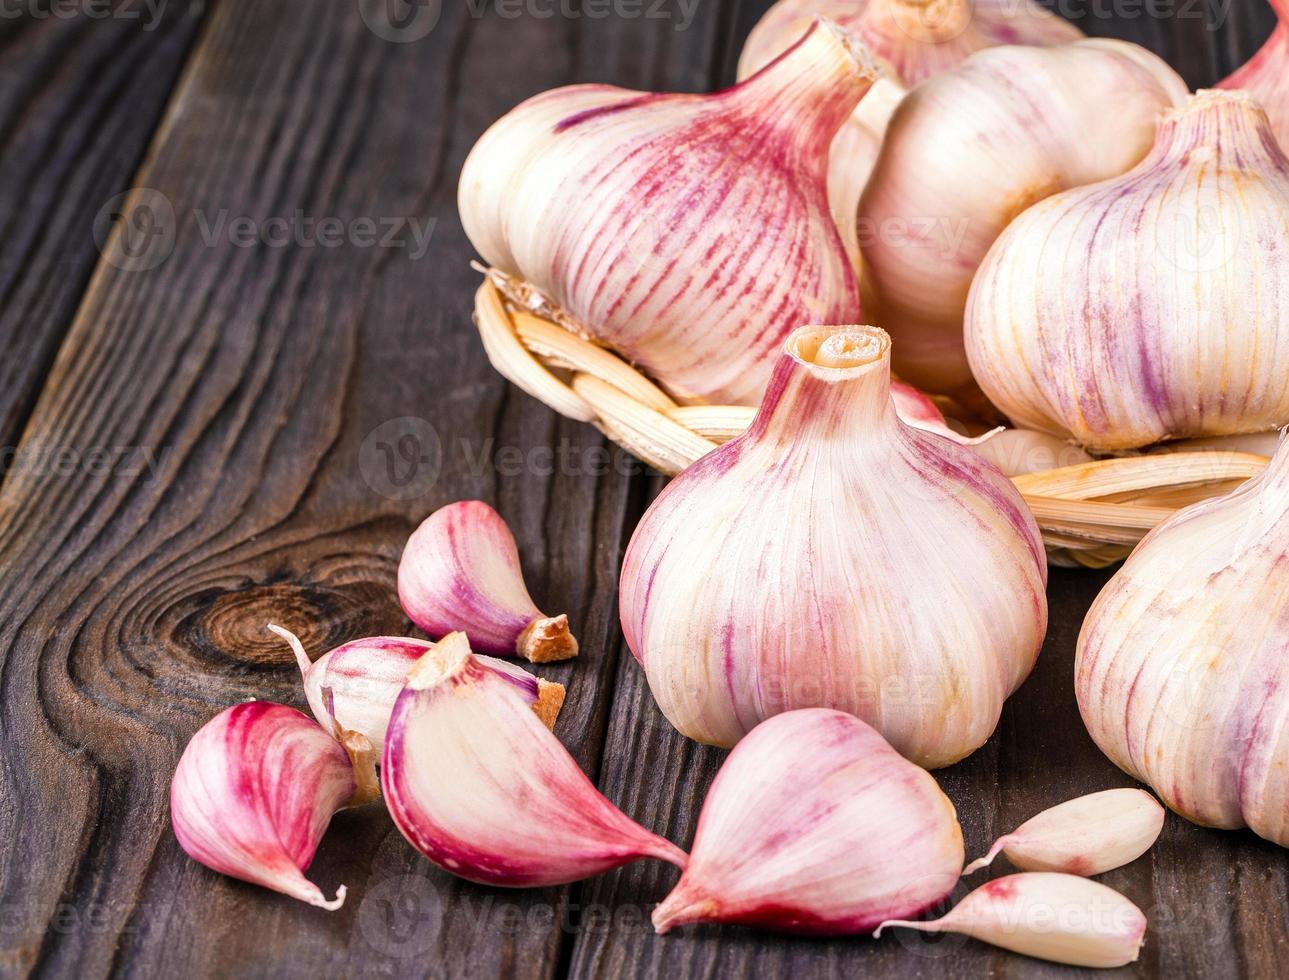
791, 568
690, 233
1267, 75
1057, 917
1083, 836
815, 825
1023, 124
460, 571
477, 783
255, 789
1150, 306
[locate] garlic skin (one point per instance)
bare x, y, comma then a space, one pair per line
253, 794
803, 565
690, 233
479, 785
1150, 306
1180, 664
1018, 452
460, 571
815, 825
969, 150
1084, 836
1057, 917
1266, 76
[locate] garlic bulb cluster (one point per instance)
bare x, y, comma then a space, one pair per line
832, 556
1181, 662
815, 825
969, 150
690, 233
1266, 76
1151, 306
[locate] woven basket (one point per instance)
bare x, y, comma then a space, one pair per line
1091, 513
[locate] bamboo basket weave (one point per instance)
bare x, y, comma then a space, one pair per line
1091, 513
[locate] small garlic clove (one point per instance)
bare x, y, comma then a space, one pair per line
254, 791
1267, 75
1058, 917
478, 784
460, 572
815, 825
1083, 836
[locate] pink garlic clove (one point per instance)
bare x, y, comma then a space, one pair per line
1267, 75
255, 789
478, 784
460, 572
815, 825
1057, 917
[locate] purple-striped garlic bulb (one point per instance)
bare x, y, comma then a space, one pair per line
1181, 664
475, 780
460, 572
815, 825
833, 556
1152, 306
1266, 76
690, 233
255, 789
969, 150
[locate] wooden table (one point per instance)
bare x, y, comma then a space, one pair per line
222, 420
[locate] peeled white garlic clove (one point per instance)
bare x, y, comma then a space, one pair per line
460, 571
1084, 836
815, 825
479, 785
1057, 917
255, 789
807, 564
1181, 666
1267, 75
1150, 306
969, 150
688, 232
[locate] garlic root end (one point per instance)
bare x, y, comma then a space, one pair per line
547, 639
550, 699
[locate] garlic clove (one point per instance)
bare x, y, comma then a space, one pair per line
815, 825
478, 784
1084, 836
254, 791
460, 571
1057, 917
1266, 76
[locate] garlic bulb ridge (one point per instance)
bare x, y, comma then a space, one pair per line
833, 556
1266, 76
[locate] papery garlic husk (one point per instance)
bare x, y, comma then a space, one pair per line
832, 556
969, 150
479, 785
815, 825
1266, 76
1084, 836
1182, 662
460, 572
1018, 452
1151, 306
254, 791
355, 685
690, 233
1057, 917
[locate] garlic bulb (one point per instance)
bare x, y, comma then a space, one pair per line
805, 564
478, 784
1267, 75
460, 571
1180, 664
688, 232
254, 791
814, 824
1057, 917
1151, 306
972, 148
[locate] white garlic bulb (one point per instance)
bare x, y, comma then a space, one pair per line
1180, 666
969, 150
1150, 306
1266, 76
690, 233
832, 556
